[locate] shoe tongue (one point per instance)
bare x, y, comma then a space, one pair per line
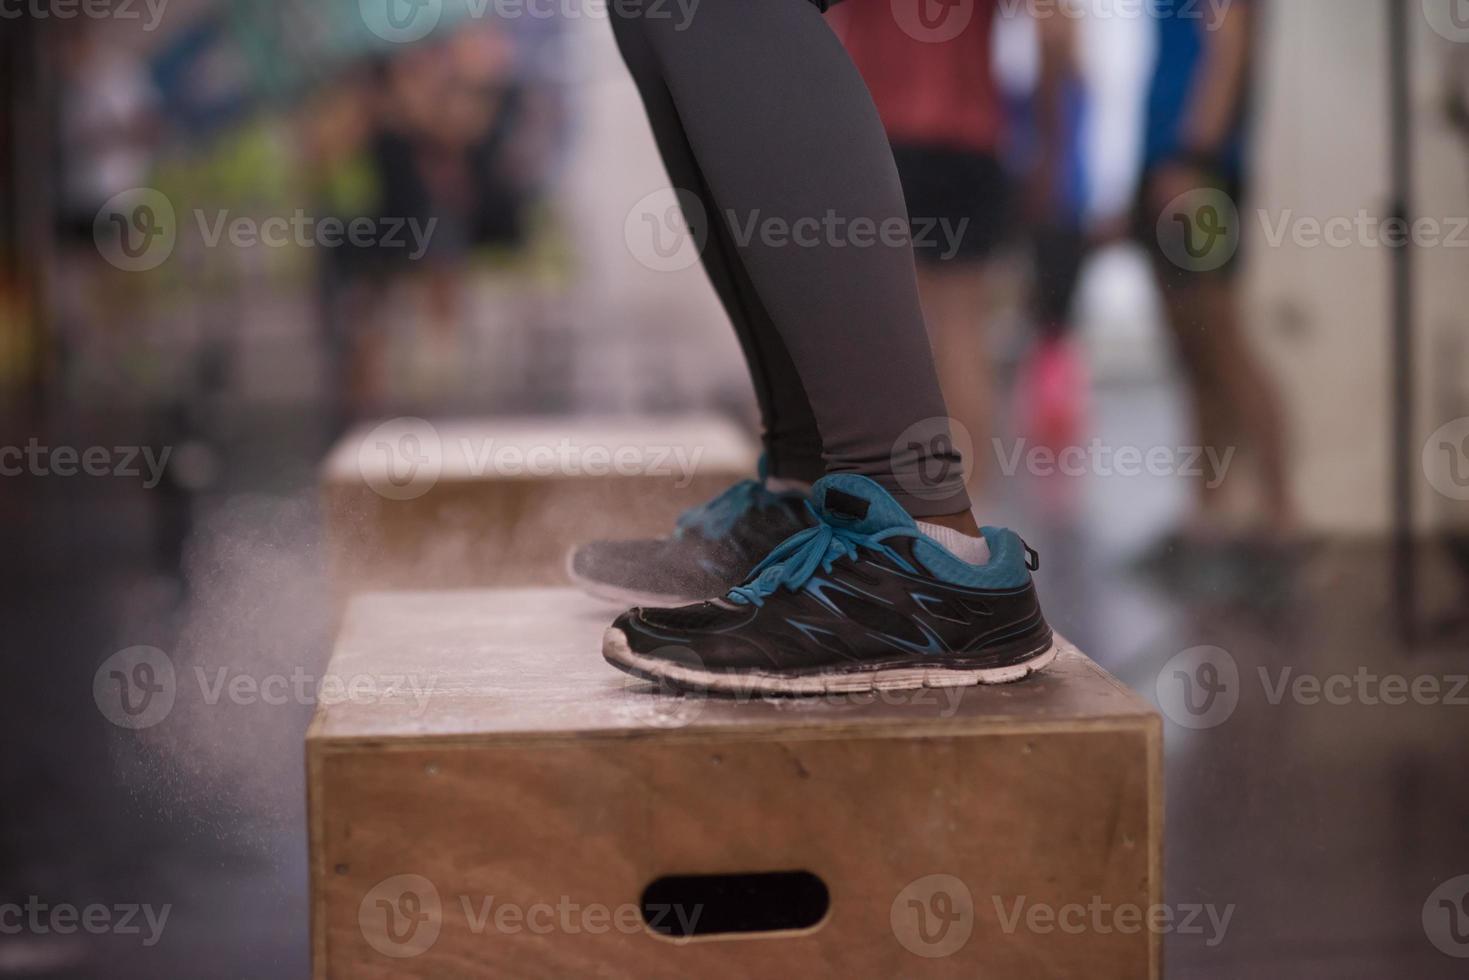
858, 504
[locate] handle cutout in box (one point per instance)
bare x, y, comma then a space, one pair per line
695, 906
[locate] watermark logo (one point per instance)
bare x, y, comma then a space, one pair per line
487, 913
149, 11
1208, 14
1448, 18
932, 458
401, 916
1098, 459
832, 230
933, 21
407, 21
401, 459
933, 917
38, 460
1199, 688
667, 229
401, 21
1364, 687
275, 689
1200, 231
411, 236
136, 230
136, 687
405, 457
1103, 918
1362, 230
1446, 459
38, 917
1446, 917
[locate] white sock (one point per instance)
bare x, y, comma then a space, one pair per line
968, 548
783, 484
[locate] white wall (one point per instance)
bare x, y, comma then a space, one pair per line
1323, 314
660, 335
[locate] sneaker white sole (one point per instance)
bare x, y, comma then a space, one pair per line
617, 652
625, 598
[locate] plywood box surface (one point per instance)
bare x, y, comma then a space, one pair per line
494, 800
415, 504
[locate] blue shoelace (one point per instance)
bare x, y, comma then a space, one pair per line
796, 559
717, 518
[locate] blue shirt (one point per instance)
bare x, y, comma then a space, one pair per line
1182, 29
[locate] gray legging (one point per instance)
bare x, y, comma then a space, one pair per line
758, 111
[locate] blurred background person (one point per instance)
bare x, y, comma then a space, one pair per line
1197, 139
1051, 124
444, 136
449, 108
110, 136
336, 139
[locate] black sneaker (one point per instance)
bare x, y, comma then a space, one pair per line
711, 550
861, 601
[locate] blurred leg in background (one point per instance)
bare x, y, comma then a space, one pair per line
1235, 403
1196, 143
959, 204
1053, 384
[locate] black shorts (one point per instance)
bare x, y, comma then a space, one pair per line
1146, 214
958, 202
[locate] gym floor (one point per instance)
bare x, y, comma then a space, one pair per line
1320, 829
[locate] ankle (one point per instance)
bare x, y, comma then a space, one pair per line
786, 484
971, 548
963, 522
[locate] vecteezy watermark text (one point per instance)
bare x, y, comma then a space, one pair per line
1097, 458
406, 21
404, 458
34, 459
1362, 230
139, 229
667, 230
137, 687
149, 11
1202, 230
1209, 14
832, 230
40, 918
307, 231
1101, 917
403, 916
1201, 687
934, 916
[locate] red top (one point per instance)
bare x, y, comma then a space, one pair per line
927, 63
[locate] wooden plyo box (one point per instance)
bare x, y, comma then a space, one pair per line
493, 801
459, 504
